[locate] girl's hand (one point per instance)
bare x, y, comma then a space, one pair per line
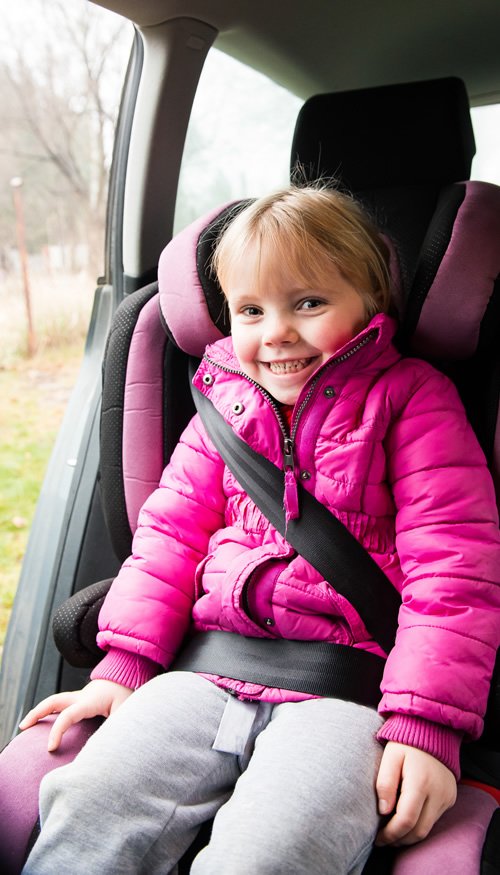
98, 698
426, 790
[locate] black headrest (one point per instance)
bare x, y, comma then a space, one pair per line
409, 134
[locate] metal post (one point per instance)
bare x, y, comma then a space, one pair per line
16, 184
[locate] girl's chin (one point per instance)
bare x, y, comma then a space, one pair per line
286, 400
286, 387
283, 393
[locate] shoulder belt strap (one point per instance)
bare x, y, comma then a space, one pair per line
317, 535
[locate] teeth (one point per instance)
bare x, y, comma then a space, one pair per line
288, 367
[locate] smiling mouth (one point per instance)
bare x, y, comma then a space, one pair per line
290, 367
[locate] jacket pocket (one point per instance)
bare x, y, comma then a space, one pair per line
198, 577
352, 625
256, 598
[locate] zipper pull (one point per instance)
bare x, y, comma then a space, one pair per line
291, 496
288, 454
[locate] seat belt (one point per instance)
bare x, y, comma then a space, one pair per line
317, 535
316, 667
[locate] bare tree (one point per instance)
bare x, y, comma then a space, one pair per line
56, 125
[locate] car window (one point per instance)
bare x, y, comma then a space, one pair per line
61, 80
239, 138
486, 123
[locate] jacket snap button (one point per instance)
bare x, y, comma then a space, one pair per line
269, 622
238, 407
305, 475
329, 391
208, 379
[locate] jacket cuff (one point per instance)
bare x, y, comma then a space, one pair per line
441, 742
127, 669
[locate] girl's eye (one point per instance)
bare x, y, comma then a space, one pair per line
251, 311
310, 304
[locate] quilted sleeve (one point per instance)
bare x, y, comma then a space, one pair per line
448, 544
148, 608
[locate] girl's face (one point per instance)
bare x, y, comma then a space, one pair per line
283, 330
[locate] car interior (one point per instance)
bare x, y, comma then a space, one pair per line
379, 99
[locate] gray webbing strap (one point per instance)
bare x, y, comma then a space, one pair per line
317, 535
314, 667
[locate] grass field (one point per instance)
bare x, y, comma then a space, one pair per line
33, 396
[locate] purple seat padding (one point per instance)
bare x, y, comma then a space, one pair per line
182, 298
464, 279
142, 441
23, 763
183, 304
456, 842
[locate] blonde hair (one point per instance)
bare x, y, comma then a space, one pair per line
310, 229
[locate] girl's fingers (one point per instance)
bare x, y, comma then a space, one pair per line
98, 697
406, 823
52, 705
427, 788
417, 832
389, 779
66, 718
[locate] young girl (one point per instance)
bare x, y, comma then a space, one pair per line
296, 783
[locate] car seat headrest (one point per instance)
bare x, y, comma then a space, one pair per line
191, 300
395, 147
409, 134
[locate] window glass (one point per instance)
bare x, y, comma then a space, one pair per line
61, 76
239, 138
486, 123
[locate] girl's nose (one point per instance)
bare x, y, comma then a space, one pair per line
278, 330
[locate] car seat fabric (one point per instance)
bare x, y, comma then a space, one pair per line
457, 838
75, 623
463, 238
373, 138
134, 362
19, 808
196, 310
143, 402
462, 339
136, 414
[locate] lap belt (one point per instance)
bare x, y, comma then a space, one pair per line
314, 667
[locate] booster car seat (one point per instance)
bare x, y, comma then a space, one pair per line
146, 402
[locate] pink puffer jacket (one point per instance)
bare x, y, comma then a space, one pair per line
384, 443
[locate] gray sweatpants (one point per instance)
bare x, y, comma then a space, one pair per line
299, 799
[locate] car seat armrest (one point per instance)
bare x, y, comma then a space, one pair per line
74, 625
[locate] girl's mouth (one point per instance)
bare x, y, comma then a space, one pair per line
288, 367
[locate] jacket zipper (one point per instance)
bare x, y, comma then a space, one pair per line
291, 491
